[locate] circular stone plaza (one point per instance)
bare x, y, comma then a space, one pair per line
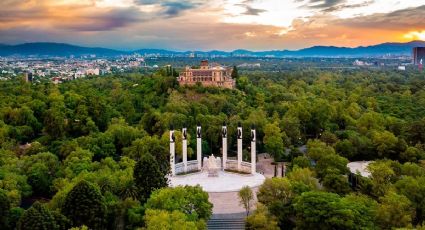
222, 178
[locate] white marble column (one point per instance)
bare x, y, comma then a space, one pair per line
172, 151
199, 146
224, 135
253, 150
184, 148
239, 146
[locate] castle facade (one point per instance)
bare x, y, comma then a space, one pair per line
207, 75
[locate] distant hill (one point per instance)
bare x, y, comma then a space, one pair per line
61, 49
361, 51
54, 49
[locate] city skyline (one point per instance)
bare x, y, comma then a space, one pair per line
207, 25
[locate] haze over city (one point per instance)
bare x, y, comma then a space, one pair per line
207, 25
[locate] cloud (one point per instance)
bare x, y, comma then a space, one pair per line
324, 3
106, 21
406, 19
253, 11
173, 9
348, 6
249, 9
201, 24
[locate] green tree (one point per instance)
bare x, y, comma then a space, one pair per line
55, 123
173, 220
192, 201
41, 169
302, 180
336, 183
154, 146
277, 195
382, 176
37, 217
412, 154
273, 141
331, 163
322, 210
394, 211
315, 209
301, 162
385, 143
235, 73
261, 219
414, 190
318, 149
148, 176
4, 210
246, 198
84, 205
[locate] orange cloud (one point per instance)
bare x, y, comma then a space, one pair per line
199, 24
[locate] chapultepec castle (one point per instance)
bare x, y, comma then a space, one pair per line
207, 75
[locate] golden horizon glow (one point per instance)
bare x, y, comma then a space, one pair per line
416, 35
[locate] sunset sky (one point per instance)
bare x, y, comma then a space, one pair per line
212, 24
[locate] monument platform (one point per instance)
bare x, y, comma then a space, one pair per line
224, 182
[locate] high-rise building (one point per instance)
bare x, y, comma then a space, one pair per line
418, 55
28, 76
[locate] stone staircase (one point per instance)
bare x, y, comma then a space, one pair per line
227, 222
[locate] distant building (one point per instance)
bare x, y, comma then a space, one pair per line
217, 76
28, 76
402, 68
418, 55
92, 72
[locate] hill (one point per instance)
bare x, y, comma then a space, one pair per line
61, 49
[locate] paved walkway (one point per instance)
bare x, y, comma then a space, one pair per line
228, 202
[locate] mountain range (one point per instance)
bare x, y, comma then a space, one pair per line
62, 49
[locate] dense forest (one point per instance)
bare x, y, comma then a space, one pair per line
93, 153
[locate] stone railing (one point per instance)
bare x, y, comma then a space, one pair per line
192, 166
232, 165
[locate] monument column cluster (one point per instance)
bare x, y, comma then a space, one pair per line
224, 135
199, 146
224, 148
184, 147
239, 146
172, 151
253, 150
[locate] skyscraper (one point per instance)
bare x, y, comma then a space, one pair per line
418, 55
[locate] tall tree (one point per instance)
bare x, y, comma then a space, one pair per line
84, 205
235, 73
37, 217
246, 198
148, 176
4, 210
273, 141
